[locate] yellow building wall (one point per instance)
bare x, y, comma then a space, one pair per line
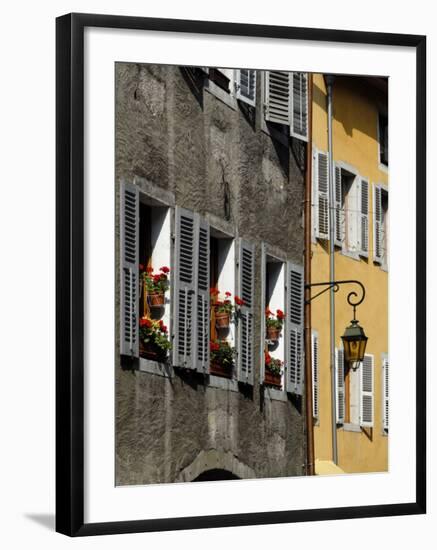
355, 116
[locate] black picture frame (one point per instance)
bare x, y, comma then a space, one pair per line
70, 273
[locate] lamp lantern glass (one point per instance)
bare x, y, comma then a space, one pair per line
354, 342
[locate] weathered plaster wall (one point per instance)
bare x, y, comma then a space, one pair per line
181, 138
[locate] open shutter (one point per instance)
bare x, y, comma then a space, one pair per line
202, 297
246, 86
322, 197
363, 212
339, 212
184, 288
277, 96
129, 276
315, 372
339, 381
299, 106
294, 328
263, 314
366, 397
385, 390
377, 225
246, 274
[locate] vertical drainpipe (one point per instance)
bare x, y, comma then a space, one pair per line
310, 470
329, 81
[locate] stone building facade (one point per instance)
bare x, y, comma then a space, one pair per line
209, 182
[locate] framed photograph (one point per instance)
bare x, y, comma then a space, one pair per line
240, 274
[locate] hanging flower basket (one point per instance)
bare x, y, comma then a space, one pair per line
273, 333
271, 379
222, 320
156, 299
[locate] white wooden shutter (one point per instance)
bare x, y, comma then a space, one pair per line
184, 288
246, 285
263, 310
377, 225
202, 296
322, 196
129, 275
246, 86
277, 96
366, 392
385, 391
315, 372
299, 106
339, 382
338, 212
363, 212
294, 328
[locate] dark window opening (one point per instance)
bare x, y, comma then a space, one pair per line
383, 139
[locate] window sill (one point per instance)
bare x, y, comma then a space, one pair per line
219, 382
226, 98
154, 367
275, 395
352, 255
352, 428
383, 167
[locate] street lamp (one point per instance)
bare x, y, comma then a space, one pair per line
354, 342
354, 337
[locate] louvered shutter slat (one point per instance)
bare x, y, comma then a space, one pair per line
339, 381
294, 328
322, 198
277, 96
364, 217
184, 288
246, 86
386, 389
315, 373
246, 274
129, 275
377, 225
339, 213
366, 401
202, 298
299, 108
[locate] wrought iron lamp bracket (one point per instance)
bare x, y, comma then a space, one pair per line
335, 285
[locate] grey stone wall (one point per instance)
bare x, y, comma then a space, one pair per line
174, 134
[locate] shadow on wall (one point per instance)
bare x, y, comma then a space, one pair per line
350, 116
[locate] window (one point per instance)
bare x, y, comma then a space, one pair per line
273, 337
383, 138
222, 284
355, 391
286, 101
380, 226
145, 248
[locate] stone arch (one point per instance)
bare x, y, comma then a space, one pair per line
207, 461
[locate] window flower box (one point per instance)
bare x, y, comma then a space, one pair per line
271, 379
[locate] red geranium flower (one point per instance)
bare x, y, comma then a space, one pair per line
165, 269
227, 294
156, 278
267, 358
145, 322
280, 314
239, 301
214, 346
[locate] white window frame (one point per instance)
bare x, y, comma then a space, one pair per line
354, 212
277, 257
384, 263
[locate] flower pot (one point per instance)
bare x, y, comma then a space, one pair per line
272, 379
156, 299
222, 320
151, 352
218, 369
273, 333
